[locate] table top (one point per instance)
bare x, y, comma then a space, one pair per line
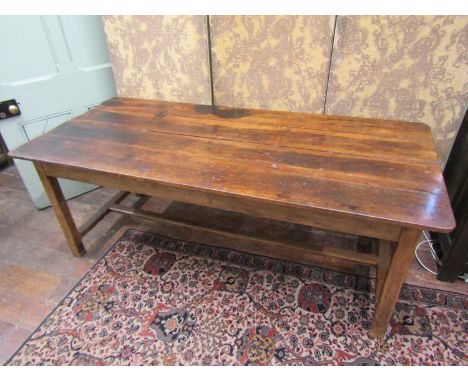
385, 171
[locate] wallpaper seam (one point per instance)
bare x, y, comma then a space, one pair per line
210, 62
330, 65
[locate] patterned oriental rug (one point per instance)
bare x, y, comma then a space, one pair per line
153, 300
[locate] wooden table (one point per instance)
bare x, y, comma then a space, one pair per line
368, 177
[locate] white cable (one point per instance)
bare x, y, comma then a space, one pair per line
433, 253
417, 256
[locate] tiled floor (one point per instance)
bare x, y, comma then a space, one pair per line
37, 270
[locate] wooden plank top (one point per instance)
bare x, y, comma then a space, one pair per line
383, 171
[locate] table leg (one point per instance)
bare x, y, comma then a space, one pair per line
382, 266
400, 262
59, 204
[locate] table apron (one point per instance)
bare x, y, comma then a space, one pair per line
324, 220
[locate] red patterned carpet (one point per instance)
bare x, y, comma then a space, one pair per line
154, 300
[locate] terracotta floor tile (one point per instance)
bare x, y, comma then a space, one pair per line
23, 295
24, 280
11, 337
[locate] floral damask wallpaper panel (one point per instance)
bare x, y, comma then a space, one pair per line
413, 68
271, 62
160, 57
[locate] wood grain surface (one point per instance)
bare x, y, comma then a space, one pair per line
377, 170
